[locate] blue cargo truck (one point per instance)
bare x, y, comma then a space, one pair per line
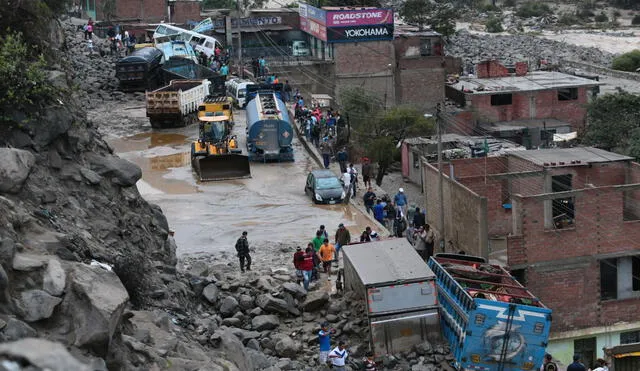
490, 320
269, 130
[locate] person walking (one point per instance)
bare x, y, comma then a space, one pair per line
342, 159
327, 253
318, 240
378, 212
400, 199
418, 219
306, 266
298, 259
399, 223
367, 172
429, 239
343, 237
242, 247
338, 357
411, 212
346, 183
324, 340
325, 149
369, 199
262, 66
324, 232
576, 365
287, 91
354, 178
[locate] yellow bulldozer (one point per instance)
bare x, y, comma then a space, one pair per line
215, 155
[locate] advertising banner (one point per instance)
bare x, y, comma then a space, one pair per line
360, 33
249, 22
311, 27
302, 10
318, 15
344, 18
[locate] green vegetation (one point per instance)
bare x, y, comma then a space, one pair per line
636, 19
494, 24
627, 62
440, 16
601, 18
378, 130
533, 9
614, 123
509, 3
24, 80
568, 19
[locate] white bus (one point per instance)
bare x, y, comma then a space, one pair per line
201, 43
237, 90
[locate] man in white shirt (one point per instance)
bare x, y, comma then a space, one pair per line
338, 357
346, 180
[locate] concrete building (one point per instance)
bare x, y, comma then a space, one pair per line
366, 49
522, 106
565, 221
144, 11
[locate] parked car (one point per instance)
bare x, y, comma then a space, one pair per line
324, 187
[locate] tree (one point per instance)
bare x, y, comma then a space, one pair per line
494, 24
627, 62
439, 15
378, 131
614, 120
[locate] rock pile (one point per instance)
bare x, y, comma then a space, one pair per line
474, 48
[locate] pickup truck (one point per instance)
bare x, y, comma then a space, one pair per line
492, 322
176, 104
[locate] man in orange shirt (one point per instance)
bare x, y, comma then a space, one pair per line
327, 252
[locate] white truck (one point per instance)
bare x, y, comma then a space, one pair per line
176, 104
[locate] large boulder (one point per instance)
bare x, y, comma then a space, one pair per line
121, 171
233, 348
95, 304
54, 278
211, 292
35, 305
294, 289
287, 347
16, 330
229, 306
272, 305
42, 354
15, 167
265, 322
315, 300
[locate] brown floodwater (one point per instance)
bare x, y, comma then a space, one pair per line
208, 217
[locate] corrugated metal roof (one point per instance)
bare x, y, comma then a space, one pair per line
585, 155
387, 262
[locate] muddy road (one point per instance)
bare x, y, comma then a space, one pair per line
208, 217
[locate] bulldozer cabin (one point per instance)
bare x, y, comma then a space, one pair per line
216, 106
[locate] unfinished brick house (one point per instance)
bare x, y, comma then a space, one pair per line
569, 222
525, 107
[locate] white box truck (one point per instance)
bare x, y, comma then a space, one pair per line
399, 291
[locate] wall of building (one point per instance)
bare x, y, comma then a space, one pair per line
465, 213
183, 11
145, 10
532, 105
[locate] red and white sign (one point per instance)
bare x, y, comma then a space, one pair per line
345, 18
314, 28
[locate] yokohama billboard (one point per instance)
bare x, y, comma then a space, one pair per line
360, 33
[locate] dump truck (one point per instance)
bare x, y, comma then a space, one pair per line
399, 292
491, 321
176, 104
215, 155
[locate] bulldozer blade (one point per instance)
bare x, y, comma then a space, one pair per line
222, 167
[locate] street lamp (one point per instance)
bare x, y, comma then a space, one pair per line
441, 227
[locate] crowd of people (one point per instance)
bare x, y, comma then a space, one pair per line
217, 62
320, 128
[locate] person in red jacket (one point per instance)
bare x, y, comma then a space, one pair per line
298, 258
307, 267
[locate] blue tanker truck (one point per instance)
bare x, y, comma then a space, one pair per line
492, 323
269, 130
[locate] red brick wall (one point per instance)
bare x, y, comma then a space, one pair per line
491, 69
369, 57
470, 167
184, 11
412, 86
146, 10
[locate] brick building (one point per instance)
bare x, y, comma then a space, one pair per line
145, 11
565, 221
399, 64
519, 105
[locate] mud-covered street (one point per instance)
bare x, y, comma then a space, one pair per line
209, 217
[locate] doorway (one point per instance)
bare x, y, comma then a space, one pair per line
586, 348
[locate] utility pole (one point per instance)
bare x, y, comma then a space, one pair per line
240, 65
440, 175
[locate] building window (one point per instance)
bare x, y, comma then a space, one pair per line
586, 348
501, 99
563, 208
425, 47
630, 337
568, 94
609, 279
